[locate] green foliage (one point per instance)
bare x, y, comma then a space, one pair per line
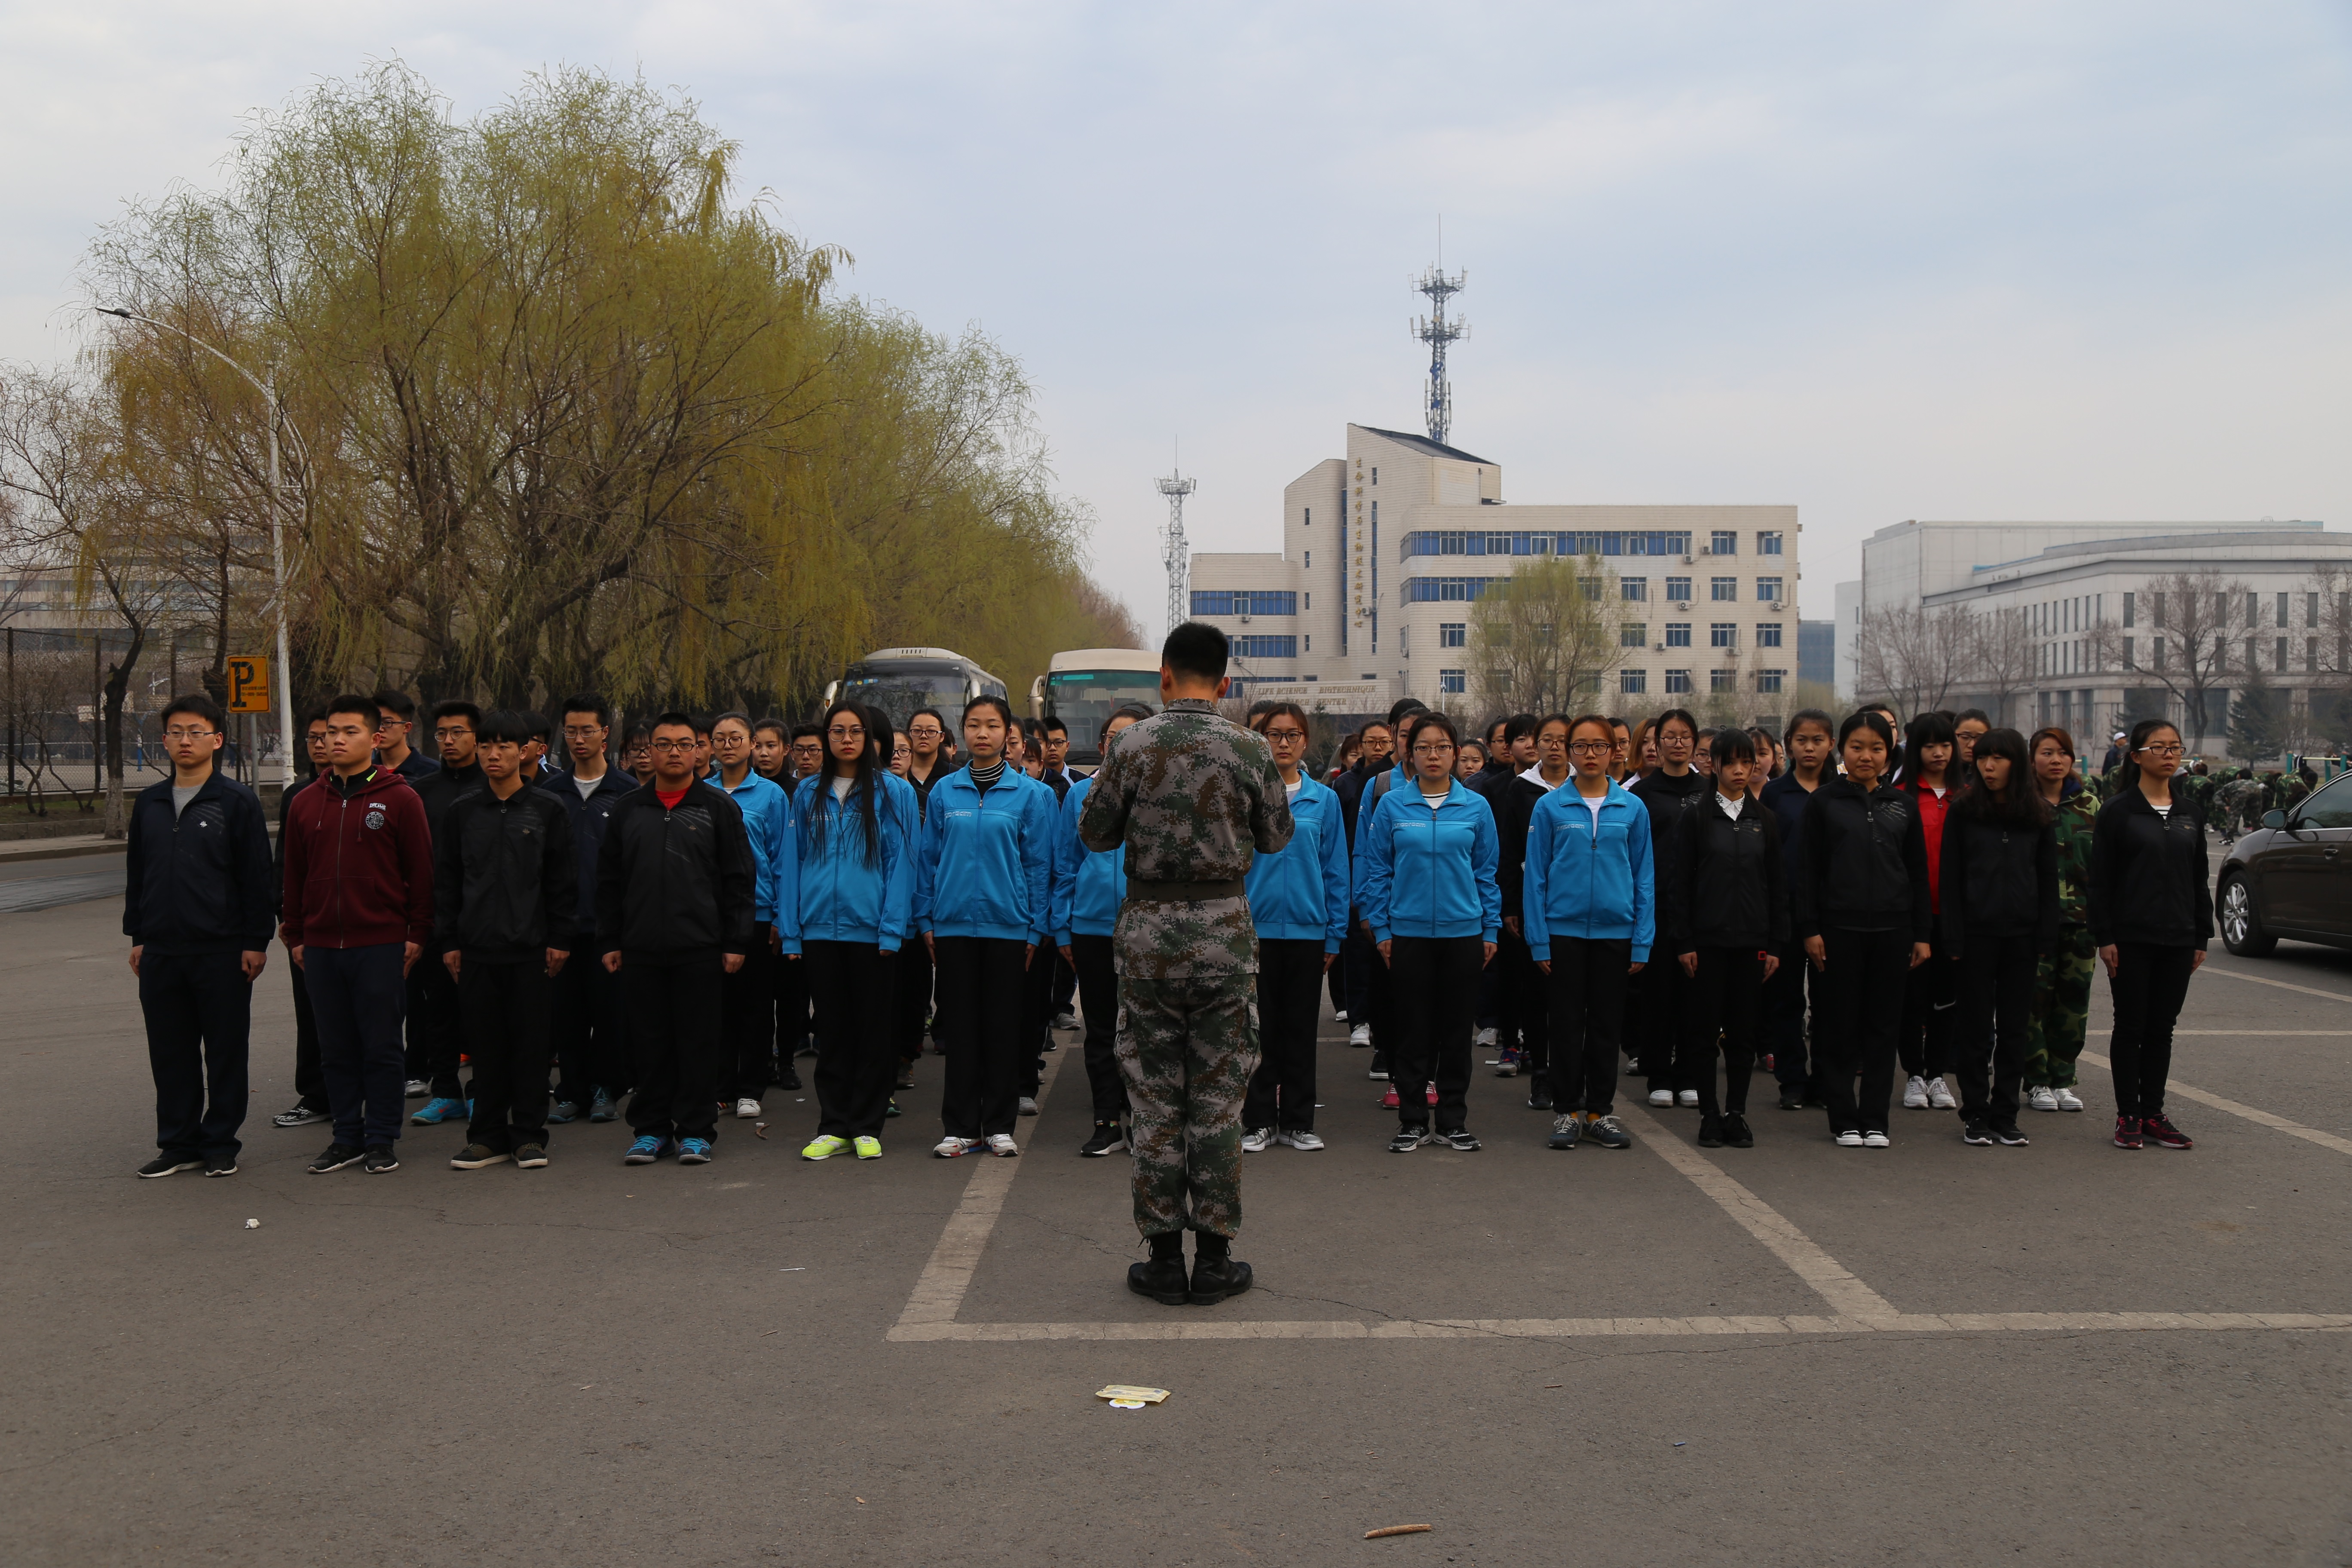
1541, 639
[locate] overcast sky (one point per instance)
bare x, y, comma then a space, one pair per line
2023, 261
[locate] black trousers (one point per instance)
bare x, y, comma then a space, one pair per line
199, 1010
747, 1003
913, 986
1098, 1004
1036, 1019
1290, 1006
1930, 1010
590, 1036
1065, 984
358, 994
853, 985
1433, 985
791, 992
1359, 958
981, 991
1379, 989
309, 1081
1585, 1008
2148, 988
1665, 1024
1527, 1002
505, 1009
1784, 1022
1857, 1009
1995, 978
435, 1038
680, 1053
1725, 995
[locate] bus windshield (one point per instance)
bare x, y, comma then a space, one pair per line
902, 688
1083, 699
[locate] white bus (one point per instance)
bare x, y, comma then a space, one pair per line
1082, 687
901, 681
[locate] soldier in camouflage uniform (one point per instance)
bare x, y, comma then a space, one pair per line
1194, 797
2061, 980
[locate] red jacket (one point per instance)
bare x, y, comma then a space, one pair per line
359, 864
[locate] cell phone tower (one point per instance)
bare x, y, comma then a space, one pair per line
1437, 331
1173, 551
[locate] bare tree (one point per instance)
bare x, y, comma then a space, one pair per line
2327, 615
2002, 660
2187, 648
1546, 634
1913, 655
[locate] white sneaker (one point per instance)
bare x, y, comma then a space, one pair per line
1687, 1099
1305, 1143
1341, 1017
417, 1089
1849, 1140
1028, 1106
2068, 1100
1256, 1140
1065, 1020
1940, 1096
747, 1107
1002, 1146
1361, 1035
1661, 1097
953, 1147
1876, 1140
2042, 1099
1484, 1039
1914, 1093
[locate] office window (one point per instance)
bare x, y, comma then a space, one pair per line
1678, 682
1376, 476
2155, 650
1769, 680
1307, 642
1720, 680
1452, 682
1307, 516
1266, 647
1310, 564
1244, 602
1722, 634
1678, 634
1632, 636
1768, 589
1453, 634
1767, 545
1404, 641
2131, 604
2281, 609
1768, 634
2128, 663
1678, 588
1724, 542
1633, 682
2254, 609
1723, 590
1636, 591
2311, 655
2281, 665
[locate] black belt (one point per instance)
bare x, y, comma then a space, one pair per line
1183, 893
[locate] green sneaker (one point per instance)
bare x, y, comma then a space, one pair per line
869, 1147
825, 1147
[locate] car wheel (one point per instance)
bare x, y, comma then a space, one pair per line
2242, 933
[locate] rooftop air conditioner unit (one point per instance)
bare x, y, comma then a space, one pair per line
1684, 605
1779, 607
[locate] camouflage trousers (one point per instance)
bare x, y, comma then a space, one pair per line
1187, 1049
2062, 1009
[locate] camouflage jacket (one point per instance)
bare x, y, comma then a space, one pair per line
1194, 797
2072, 823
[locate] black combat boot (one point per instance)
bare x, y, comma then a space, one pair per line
1215, 1274
1161, 1278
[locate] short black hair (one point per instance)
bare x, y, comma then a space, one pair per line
1135, 711
1052, 724
454, 710
701, 723
588, 703
1004, 708
1195, 648
808, 731
506, 724
195, 704
736, 714
1516, 725
1658, 725
1402, 706
1802, 717
399, 701
670, 720
352, 702
1732, 746
541, 729
773, 722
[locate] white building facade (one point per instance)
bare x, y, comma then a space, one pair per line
1385, 551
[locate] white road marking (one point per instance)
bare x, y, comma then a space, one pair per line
2263, 1033
2293, 1129
2283, 986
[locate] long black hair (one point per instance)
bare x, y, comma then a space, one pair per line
2019, 802
2127, 775
1924, 730
862, 788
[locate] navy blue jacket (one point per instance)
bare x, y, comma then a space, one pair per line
200, 881
588, 820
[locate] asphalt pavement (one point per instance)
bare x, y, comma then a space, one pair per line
1789, 1355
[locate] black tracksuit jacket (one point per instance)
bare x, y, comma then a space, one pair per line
2147, 874
200, 883
505, 886
1667, 798
1999, 881
1864, 865
674, 885
439, 791
1723, 883
589, 818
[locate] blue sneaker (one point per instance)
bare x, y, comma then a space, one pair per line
436, 1110
562, 1112
646, 1150
601, 1108
694, 1152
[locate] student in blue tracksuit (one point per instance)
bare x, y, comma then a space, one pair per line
983, 890
1589, 903
1088, 886
1425, 880
748, 996
855, 826
1299, 899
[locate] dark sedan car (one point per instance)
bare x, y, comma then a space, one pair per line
2292, 877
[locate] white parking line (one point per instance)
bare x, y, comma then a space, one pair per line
2282, 984
2293, 1129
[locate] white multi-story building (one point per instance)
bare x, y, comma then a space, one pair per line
2096, 635
1384, 550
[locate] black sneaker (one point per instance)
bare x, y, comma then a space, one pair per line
474, 1156
1566, 1129
2008, 1136
167, 1166
1407, 1139
892, 1109
532, 1156
1736, 1134
1792, 1099
1460, 1140
1161, 1278
1379, 1072
791, 1079
336, 1156
1607, 1132
906, 1075
381, 1160
220, 1164
1108, 1138
1540, 1098
301, 1116
1215, 1277
1976, 1132
1710, 1131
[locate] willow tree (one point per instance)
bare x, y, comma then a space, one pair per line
1541, 639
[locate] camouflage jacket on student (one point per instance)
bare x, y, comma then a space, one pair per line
1194, 797
2072, 822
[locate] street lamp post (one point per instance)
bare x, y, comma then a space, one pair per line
269, 390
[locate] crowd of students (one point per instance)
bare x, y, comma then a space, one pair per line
657, 928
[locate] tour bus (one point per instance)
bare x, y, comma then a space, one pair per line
901, 681
1082, 687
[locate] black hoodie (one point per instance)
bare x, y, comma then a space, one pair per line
1999, 879
1723, 882
1666, 798
2147, 874
1864, 865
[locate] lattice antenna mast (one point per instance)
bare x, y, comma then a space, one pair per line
1173, 551
1437, 331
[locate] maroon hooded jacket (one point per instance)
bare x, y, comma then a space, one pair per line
359, 863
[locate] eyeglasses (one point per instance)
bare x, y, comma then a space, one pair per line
851, 733
577, 732
926, 733
452, 731
185, 734
1439, 750
392, 723
1593, 748
1286, 735
671, 745
2162, 751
